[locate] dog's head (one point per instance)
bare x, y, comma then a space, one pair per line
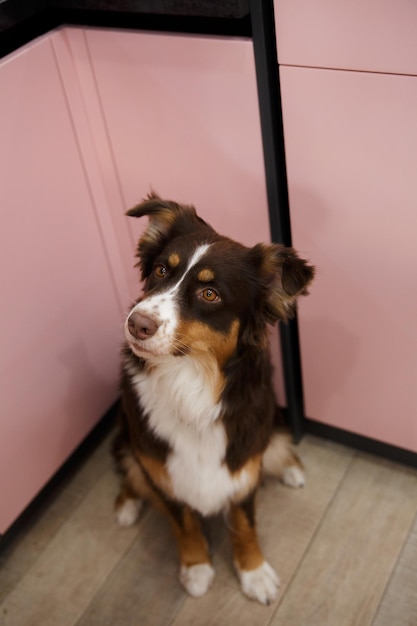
204, 292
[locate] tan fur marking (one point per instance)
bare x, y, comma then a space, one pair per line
192, 544
211, 347
253, 469
206, 275
173, 259
157, 472
246, 551
135, 482
159, 224
198, 337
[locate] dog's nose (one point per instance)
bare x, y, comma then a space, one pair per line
140, 326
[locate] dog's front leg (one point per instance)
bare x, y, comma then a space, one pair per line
196, 571
257, 578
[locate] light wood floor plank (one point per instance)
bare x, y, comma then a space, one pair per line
399, 605
287, 521
345, 572
60, 584
143, 588
34, 536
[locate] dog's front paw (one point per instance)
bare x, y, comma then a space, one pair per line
260, 584
197, 578
128, 511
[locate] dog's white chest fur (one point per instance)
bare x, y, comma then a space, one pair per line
182, 410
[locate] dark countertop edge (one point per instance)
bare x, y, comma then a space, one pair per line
48, 19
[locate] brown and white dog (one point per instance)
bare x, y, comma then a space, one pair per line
197, 404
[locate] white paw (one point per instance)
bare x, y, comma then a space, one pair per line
197, 578
293, 476
260, 584
128, 512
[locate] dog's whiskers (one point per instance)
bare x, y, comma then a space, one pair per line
180, 346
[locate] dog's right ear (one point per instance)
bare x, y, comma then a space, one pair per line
166, 219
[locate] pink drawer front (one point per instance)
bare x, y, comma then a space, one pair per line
372, 35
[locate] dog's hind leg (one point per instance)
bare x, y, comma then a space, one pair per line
257, 578
128, 506
134, 489
280, 460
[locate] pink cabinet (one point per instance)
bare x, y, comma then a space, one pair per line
370, 35
182, 116
351, 148
60, 314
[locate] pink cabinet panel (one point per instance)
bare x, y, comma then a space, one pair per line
351, 146
182, 115
60, 316
80, 86
372, 35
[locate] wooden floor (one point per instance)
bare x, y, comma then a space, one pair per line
345, 548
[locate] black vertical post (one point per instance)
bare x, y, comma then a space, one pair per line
269, 95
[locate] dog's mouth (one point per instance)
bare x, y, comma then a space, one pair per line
143, 351
138, 348
150, 349
142, 348
147, 348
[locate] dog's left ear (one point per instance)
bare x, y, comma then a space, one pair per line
284, 277
162, 215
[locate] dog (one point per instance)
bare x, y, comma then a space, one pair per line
197, 411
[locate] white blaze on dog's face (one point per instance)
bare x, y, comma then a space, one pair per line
152, 325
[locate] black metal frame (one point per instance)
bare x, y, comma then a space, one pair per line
269, 95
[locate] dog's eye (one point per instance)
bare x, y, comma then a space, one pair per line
160, 271
209, 295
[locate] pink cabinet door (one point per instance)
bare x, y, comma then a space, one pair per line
351, 146
60, 317
182, 116
372, 35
